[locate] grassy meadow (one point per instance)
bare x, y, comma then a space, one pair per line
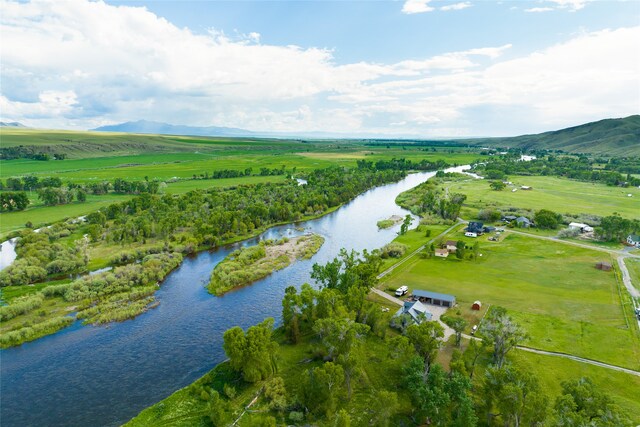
557, 194
551, 289
96, 156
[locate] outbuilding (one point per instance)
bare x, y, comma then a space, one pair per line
604, 266
477, 305
442, 253
451, 245
434, 298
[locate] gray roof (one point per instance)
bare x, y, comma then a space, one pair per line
433, 295
634, 237
523, 219
415, 310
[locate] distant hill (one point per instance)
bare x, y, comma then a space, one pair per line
614, 137
609, 136
12, 125
158, 128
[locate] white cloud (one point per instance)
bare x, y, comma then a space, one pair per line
539, 9
416, 6
456, 6
571, 5
81, 64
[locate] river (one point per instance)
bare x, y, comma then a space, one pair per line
105, 375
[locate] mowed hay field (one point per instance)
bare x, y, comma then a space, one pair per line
551, 289
557, 194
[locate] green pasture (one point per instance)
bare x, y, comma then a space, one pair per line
552, 289
557, 194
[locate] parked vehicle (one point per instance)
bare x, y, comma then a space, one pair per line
402, 290
474, 329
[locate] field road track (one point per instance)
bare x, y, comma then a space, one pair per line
412, 254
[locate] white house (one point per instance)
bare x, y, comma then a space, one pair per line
633, 240
442, 253
584, 228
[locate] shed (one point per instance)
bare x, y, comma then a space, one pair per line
525, 187
604, 266
434, 298
442, 253
477, 305
451, 245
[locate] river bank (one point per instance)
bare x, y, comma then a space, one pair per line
171, 346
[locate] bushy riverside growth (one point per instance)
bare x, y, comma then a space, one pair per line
246, 265
116, 295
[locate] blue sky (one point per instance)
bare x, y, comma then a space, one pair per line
388, 68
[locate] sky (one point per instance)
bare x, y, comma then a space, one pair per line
419, 68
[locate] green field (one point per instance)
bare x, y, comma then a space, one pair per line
39, 214
557, 194
552, 289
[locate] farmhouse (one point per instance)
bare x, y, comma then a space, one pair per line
584, 228
442, 253
451, 245
417, 310
523, 222
633, 240
477, 305
434, 298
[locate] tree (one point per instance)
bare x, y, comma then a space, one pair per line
342, 419
502, 333
384, 407
547, 219
406, 224
426, 339
253, 354
460, 249
81, 195
458, 324
340, 338
513, 396
321, 387
581, 404
497, 185
13, 201
217, 410
276, 393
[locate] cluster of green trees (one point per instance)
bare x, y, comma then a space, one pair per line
22, 152
575, 167
61, 196
403, 164
614, 228
547, 219
218, 215
41, 254
427, 199
135, 187
30, 183
13, 201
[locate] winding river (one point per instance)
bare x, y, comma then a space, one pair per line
103, 376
